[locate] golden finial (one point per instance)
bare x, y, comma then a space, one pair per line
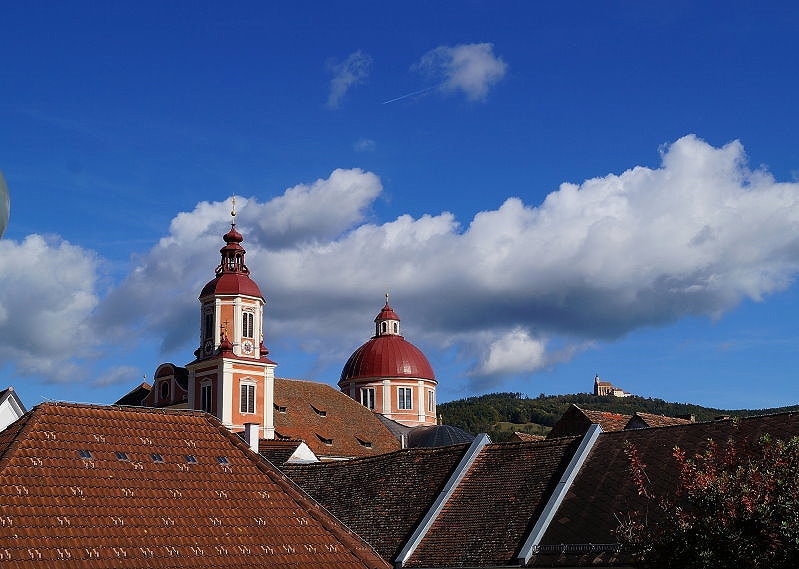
386, 297
233, 212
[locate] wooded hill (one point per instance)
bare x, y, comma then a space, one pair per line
501, 414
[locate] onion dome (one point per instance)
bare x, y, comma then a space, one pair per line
232, 275
387, 354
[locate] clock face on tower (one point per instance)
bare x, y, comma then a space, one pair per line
247, 346
209, 345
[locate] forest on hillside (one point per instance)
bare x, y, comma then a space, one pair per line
501, 414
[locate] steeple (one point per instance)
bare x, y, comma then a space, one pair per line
232, 376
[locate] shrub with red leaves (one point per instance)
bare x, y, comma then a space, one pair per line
736, 505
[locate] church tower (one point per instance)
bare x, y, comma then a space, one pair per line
232, 377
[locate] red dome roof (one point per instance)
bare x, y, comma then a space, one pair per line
232, 275
233, 284
387, 356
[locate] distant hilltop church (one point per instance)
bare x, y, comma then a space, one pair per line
607, 388
387, 397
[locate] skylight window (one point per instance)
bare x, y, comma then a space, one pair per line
190, 458
367, 444
157, 457
85, 454
324, 440
319, 411
222, 460
280, 408
122, 456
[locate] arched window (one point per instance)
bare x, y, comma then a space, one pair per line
164, 390
209, 326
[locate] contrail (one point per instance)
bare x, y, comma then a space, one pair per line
411, 94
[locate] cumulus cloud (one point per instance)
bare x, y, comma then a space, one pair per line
346, 74
47, 294
470, 68
514, 289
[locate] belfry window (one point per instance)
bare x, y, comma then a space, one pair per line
247, 325
208, 331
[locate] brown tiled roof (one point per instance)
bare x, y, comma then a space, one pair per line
331, 423
644, 420
186, 493
383, 498
575, 422
488, 517
603, 488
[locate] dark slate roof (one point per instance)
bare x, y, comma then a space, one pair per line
68, 500
331, 423
603, 488
490, 514
135, 396
437, 436
575, 422
646, 420
277, 451
383, 498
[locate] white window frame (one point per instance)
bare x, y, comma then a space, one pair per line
368, 397
405, 398
431, 401
247, 403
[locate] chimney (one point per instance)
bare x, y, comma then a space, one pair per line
251, 431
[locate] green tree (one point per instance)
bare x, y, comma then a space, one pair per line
736, 505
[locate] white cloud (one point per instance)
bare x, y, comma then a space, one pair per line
471, 68
513, 352
346, 74
516, 288
47, 294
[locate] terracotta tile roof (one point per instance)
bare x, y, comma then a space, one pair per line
383, 498
575, 421
645, 420
487, 519
603, 489
331, 423
185, 493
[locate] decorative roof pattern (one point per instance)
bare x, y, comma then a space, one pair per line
387, 356
86, 486
603, 488
330, 423
488, 517
438, 436
382, 498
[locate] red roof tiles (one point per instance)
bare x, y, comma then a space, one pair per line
87, 486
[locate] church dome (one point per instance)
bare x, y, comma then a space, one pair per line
387, 354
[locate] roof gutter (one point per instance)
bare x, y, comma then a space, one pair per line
531, 545
424, 526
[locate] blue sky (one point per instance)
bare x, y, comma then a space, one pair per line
548, 190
